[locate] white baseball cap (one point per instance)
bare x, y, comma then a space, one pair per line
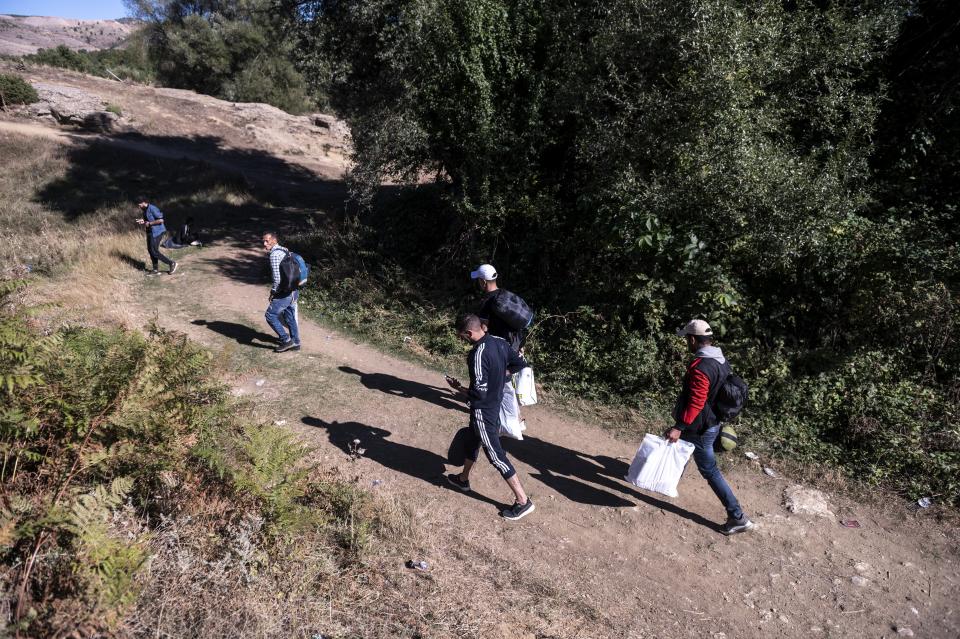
695, 327
484, 271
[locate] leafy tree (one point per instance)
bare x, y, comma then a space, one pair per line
234, 49
632, 164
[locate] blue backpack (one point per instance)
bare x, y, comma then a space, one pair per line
304, 268
293, 272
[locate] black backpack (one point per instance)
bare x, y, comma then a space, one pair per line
289, 275
731, 397
514, 312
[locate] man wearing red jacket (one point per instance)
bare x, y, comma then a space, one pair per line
695, 421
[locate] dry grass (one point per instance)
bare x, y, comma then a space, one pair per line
216, 568
86, 261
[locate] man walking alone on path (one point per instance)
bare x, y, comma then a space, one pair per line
283, 298
695, 421
152, 222
489, 362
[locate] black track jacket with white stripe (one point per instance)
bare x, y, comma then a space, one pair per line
489, 361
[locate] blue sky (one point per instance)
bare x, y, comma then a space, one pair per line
81, 9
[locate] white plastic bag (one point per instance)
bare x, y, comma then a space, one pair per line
526, 388
510, 424
658, 464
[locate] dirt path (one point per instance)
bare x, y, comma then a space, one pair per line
598, 558
650, 565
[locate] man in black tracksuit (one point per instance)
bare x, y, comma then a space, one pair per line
489, 361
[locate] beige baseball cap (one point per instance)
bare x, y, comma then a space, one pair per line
695, 327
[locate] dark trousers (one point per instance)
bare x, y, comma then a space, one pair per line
153, 248
485, 433
707, 465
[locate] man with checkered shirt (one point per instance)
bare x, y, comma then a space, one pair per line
283, 303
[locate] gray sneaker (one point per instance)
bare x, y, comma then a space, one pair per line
288, 345
735, 526
517, 511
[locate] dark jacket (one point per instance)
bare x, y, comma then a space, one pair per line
489, 361
694, 408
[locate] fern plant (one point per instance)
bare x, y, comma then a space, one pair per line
107, 565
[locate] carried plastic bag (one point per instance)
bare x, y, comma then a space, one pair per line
510, 423
659, 464
526, 388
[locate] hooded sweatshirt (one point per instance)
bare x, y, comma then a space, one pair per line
694, 408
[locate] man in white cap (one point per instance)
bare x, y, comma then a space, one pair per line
504, 313
695, 421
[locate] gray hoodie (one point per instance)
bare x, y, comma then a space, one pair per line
712, 352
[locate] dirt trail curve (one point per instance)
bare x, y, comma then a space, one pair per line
653, 566
648, 566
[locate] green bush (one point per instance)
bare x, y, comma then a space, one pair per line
628, 165
16, 90
130, 62
93, 420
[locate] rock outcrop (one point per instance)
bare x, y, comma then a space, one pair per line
68, 105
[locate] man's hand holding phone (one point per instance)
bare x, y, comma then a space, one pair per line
457, 386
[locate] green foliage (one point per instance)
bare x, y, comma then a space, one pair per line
107, 565
629, 165
129, 62
270, 465
114, 108
110, 431
16, 90
237, 50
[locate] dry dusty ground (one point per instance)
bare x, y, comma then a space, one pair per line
607, 560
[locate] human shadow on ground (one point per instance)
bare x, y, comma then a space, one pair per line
398, 387
566, 470
410, 460
129, 260
239, 332
244, 267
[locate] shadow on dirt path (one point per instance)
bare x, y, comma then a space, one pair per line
398, 387
641, 565
240, 333
376, 446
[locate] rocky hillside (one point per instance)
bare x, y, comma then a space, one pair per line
22, 35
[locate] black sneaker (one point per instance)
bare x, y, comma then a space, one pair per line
173, 268
288, 345
152, 272
517, 511
454, 480
734, 526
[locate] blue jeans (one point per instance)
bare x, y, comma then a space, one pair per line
285, 307
707, 465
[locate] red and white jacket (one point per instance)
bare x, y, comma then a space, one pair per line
694, 407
